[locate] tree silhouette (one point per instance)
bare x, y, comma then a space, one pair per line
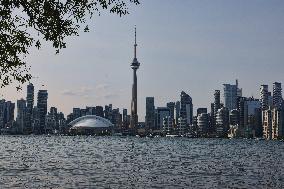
26, 23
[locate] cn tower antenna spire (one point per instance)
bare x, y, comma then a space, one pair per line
135, 45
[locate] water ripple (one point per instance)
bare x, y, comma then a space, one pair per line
113, 162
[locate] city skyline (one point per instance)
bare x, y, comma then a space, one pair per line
94, 69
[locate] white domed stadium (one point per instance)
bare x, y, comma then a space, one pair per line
91, 125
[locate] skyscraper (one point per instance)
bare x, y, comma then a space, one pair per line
186, 107
171, 106
2, 113
6, 113
277, 94
99, 111
230, 96
21, 115
161, 113
10, 108
124, 119
203, 124
222, 122
150, 113
217, 102
264, 97
42, 110
177, 112
134, 65
30, 104
201, 110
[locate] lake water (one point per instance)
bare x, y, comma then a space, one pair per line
113, 162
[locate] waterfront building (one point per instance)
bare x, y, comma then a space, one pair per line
203, 124
231, 93
135, 66
217, 102
201, 110
150, 113
108, 112
2, 113
125, 122
52, 121
30, 105
252, 118
83, 112
61, 123
6, 113
42, 110
277, 94
9, 114
21, 115
278, 122
222, 122
264, 97
99, 111
182, 126
116, 118
267, 124
171, 106
234, 117
186, 107
273, 124
69, 118
177, 111
168, 125
90, 110
161, 113
76, 113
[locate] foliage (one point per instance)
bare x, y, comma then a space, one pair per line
25, 23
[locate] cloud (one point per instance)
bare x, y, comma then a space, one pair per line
102, 86
110, 96
83, 92
100, 92
68, 93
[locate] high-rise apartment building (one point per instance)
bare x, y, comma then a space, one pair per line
222, 122
273, 124
168, 125
186, 107
203, 124
42, 110
177, 112
201, 110
21, 115
10, 109
150, 113
161, 113
30, 105
217, 102
277, 94
264, 97
231, 94
171, 106
99, 111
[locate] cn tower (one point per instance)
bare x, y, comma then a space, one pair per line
134, 65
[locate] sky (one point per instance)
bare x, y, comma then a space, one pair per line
187, 45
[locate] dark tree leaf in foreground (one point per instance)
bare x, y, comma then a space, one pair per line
25, 23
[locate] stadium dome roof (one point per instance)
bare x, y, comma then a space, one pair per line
90, 121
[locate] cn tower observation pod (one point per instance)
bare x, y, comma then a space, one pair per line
90, 125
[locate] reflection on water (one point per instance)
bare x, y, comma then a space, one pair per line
112, 162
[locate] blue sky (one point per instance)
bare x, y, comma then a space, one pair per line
190, 45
